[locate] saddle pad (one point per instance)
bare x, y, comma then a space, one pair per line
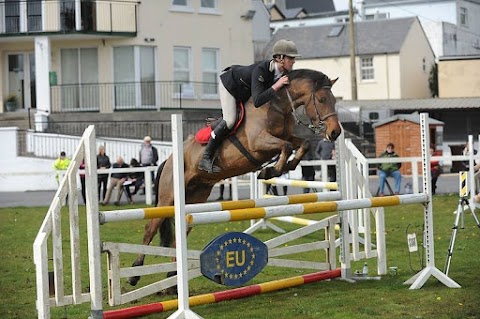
203, 135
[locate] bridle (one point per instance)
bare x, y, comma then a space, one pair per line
321, 120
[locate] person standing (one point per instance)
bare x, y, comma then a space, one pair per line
103, 162
308, 171
148, 154
435, 169
389, 169
325, 151
60, 164
260, 81
82, 181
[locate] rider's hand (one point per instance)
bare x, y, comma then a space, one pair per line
281, 82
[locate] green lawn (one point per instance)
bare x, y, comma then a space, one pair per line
386, 298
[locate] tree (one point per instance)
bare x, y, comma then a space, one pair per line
433, 80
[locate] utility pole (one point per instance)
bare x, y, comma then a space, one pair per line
353, 68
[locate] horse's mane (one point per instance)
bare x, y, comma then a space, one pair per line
316, 77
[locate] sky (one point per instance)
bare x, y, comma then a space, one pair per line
341, 4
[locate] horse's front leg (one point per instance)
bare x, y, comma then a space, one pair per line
151, 229
302, 146
275, 144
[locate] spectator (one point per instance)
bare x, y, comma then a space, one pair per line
308, 171
148, 154
60, 164
325, 151
82, 181
435, 169
389, 169
103, 162
116, 181
134, 178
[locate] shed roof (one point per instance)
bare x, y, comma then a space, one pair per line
407, 117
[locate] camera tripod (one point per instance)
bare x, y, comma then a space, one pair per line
462, 203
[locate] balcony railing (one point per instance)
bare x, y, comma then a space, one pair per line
134, 96
65, 16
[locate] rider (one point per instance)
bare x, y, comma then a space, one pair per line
260, 80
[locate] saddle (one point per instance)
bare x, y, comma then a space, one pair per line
203, 135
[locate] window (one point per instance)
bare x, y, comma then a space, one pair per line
34, 15
134, 76
335, 31
181, 5
366, 68
181, 70
180, 2
12, 16
209, 7
463, 16
210, 71
210, 4
79, 79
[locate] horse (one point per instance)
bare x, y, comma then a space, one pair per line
266, 132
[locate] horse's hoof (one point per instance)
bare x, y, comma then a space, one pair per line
266, 173
133, 280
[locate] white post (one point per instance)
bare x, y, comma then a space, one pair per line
148, 187
180, 222
42, 83
93, 226
418, 280
234, 188
345, 234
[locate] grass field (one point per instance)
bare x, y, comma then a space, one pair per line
386, 298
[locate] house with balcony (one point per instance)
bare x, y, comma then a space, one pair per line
77, 58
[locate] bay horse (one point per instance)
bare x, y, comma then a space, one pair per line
266, 132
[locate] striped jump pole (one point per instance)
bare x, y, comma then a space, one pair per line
303, 208
303, 184
134, 312
169, 211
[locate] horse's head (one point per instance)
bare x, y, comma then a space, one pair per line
313, 90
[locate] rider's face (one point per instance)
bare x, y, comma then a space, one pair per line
287, 63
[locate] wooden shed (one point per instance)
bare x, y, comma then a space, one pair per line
403, 130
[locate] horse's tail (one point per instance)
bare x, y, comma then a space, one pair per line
166, 228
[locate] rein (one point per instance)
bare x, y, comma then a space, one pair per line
321, 120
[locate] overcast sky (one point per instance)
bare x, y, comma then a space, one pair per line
341, 4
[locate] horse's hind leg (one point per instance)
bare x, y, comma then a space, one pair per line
150, 230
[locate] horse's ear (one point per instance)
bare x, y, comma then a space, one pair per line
332, 82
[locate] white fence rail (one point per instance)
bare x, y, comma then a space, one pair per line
50, 145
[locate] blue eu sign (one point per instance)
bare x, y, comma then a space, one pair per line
232, 259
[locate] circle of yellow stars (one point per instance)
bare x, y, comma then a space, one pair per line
223, 247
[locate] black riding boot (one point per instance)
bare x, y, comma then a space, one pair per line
206, 163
